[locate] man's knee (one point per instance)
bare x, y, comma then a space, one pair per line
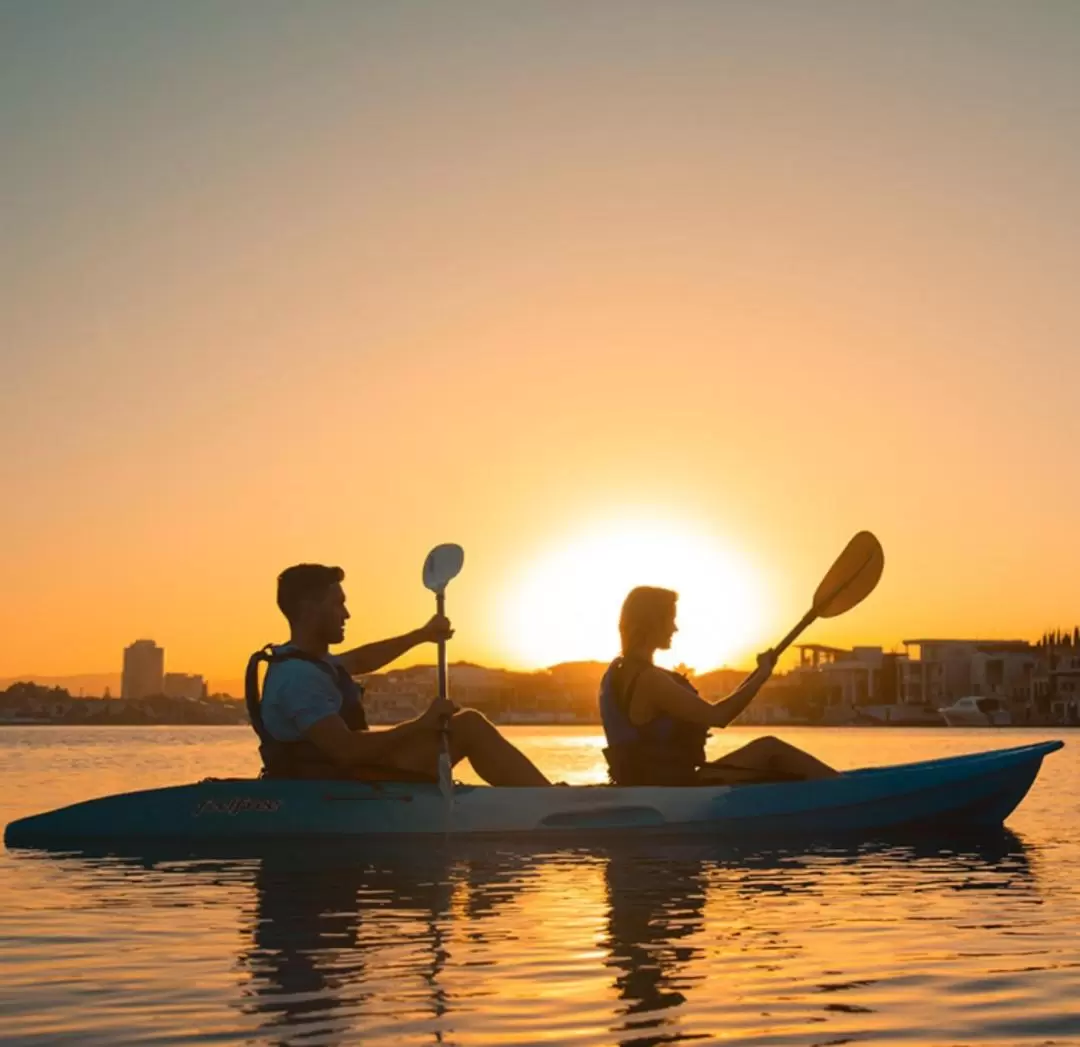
768, 746
471, 724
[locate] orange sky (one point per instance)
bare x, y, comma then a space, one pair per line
285, 282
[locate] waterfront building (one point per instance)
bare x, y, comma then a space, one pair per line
184, 685
1056, 684
864, 684
839, 685
144, 670
952, 669
386, 707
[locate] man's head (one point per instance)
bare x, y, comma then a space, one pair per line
311, 598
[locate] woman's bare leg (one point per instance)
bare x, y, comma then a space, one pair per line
764, 756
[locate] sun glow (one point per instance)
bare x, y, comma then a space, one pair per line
565, 604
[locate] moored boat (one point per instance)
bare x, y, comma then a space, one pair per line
975, 790
975, 711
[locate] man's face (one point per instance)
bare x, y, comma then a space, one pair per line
329, 614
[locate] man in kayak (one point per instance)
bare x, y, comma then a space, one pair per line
310, 719
656, 723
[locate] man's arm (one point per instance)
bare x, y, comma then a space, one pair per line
332, 735
373, 656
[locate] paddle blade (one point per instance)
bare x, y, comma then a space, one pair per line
852, 578
443, 563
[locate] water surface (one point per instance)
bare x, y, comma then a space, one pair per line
971, 940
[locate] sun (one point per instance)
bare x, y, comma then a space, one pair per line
564, 606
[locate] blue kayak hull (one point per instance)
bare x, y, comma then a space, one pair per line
973, 791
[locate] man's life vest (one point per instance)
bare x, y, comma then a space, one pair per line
300, 759
664, 751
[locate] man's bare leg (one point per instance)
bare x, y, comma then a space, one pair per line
475, 738
495, 758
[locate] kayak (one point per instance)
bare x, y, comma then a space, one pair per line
972, 791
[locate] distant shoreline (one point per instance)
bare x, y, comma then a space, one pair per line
588, 723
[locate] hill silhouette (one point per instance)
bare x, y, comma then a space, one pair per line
575, 675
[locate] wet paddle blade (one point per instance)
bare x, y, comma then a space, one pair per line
443, 564
852, 578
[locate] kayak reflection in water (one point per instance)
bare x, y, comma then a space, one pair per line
310, 718
656, 723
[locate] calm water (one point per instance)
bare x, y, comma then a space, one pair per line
969, 941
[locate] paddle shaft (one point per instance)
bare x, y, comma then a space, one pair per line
440, 609
792, 636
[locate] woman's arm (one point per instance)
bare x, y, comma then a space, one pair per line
727, 709
659, 694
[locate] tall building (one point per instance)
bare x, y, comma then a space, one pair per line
144, 670
184, 685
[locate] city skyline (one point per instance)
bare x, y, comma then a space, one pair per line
955, 681
106, 681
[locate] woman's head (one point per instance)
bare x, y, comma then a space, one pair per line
647, 619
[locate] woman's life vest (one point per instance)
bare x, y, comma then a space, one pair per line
664, 751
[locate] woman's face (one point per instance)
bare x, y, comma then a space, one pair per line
666, 630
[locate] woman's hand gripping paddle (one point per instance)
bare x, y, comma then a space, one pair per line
442, 565
850, 581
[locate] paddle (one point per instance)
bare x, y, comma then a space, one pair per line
442, 565
850, 580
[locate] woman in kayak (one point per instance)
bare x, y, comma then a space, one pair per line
656, 723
